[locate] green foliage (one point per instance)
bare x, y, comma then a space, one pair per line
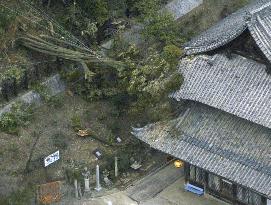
42, 90
146, 8
150, 77
9, 123
96, 9
6, 18
72, 76
20, 115
142, 83
161, 27
76, 122
158, 26
14, 72
172, 53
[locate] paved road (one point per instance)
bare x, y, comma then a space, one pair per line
164, 187
153, 184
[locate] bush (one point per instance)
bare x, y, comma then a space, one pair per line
172, 53
97, 10
9, 123
43, 91
18, 116
161, 28
6, 18
76, 122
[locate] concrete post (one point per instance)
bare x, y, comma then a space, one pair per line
76, 188
116, 167
98, 185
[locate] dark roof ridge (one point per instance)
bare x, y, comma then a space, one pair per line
233, 26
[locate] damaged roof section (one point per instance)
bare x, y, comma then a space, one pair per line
255, 17
216, 141
238, 85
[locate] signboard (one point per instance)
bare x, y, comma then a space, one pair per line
98, 153
51, 158
268, 201
49, 193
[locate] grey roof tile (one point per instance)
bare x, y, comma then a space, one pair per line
242, 154
238, 86
256, 17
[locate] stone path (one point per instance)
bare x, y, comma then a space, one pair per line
153, 184
164, 187
176, 195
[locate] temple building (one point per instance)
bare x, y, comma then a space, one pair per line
223, 131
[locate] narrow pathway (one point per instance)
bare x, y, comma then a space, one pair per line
153, 184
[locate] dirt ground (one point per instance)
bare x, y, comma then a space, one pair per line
101, 118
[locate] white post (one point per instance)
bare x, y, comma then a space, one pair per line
76, 188
98, 185
116, 167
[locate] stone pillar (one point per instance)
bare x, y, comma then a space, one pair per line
79, 190
76, 188
116, 167
87, 188
86, 174
98, 185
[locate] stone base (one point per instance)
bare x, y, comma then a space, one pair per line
98, 188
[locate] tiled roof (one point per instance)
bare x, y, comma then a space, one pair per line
237, 85
255, 16
216, 141
260, 29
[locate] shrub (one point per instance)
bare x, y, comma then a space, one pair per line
76, 122
161, 28
6, 18
72, 76
172, 53
9, 123
20, 115
97, 10
43, 91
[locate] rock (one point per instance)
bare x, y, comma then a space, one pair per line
107, 45
54, 85
31, 98
181, 7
